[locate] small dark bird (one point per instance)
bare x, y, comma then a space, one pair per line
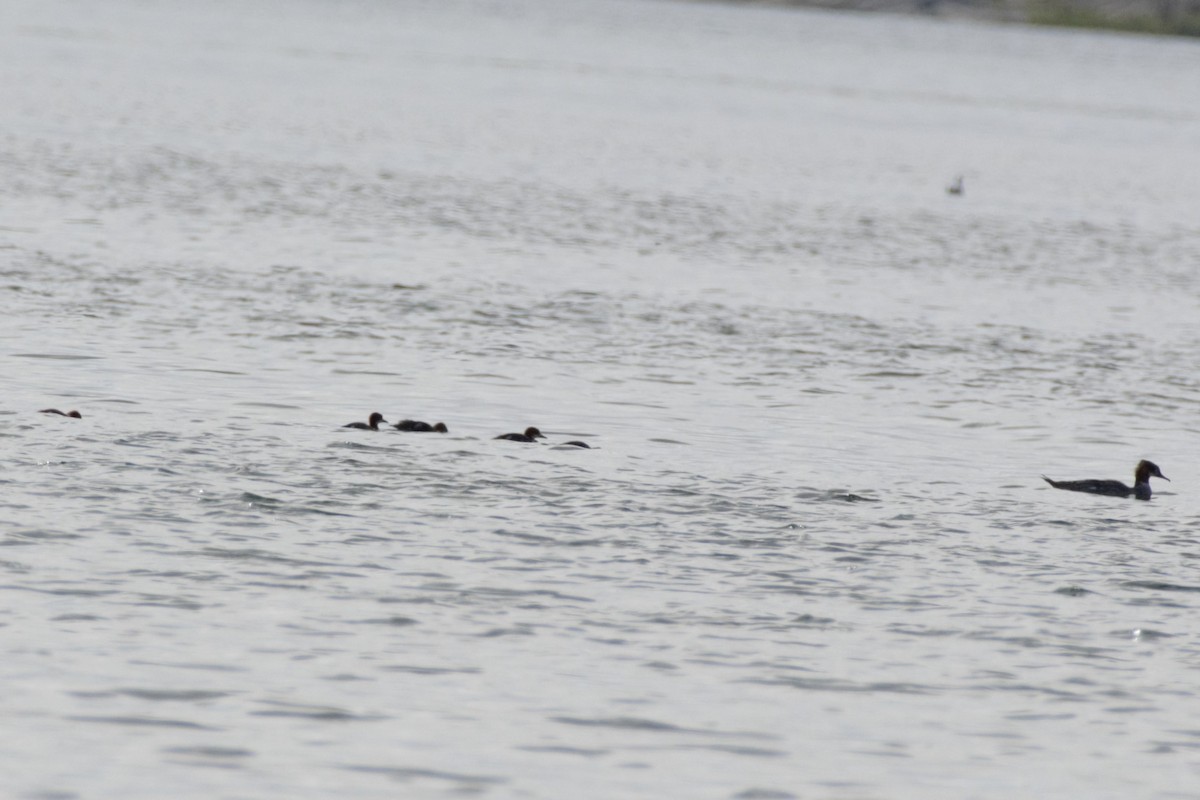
371, 424
1141, 483
531, 434
72, 414
414, 426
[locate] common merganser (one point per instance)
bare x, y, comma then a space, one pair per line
531, 434
1141, 483
421, 427
371, 425
72, 414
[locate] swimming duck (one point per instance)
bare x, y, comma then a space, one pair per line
72, 414
421, 427
531, 434
1141, 483
371, 425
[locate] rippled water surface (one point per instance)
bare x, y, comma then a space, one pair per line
808, 555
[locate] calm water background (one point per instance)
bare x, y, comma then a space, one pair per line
811, 556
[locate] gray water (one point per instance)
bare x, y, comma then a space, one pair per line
809, 555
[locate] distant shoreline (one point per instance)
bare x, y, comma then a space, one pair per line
1162, 17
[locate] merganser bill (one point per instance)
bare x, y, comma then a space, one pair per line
531, 434
1141, 483
371, 425
415, 426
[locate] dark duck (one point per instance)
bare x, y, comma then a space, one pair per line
415, 426
72, 414
1141, 483
372, 424
531, 434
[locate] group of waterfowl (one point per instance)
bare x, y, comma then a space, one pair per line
1140, 490
376, 419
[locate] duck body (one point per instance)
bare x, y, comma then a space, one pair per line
531, 434
71, 414
371, 425
1094, 486
415, 426
1140, 489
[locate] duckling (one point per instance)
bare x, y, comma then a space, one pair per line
531, 434
371, 425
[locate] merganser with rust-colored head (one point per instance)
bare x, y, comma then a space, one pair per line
1141, 483
531, 434
371, 424
415, 426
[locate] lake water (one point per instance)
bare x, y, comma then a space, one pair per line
809, 554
